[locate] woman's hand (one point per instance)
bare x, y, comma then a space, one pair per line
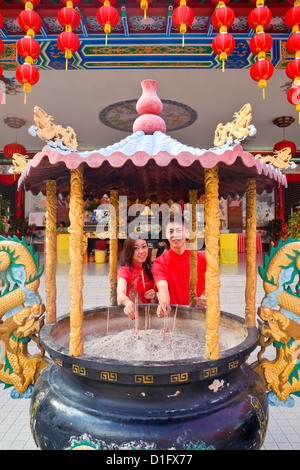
163, 309
150, 294
129, 309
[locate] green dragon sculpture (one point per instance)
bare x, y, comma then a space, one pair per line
21, 313
279, 320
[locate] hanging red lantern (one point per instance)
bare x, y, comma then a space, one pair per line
222, 16
69, 18
27, 75
293, 68
12, 148
1, 46
30, 22
223, 44
108, 17
1, 21
260, 42
292, 17
68, 43
293, 43
28, 48
293, 97
283, 144
182, 17
259, 16
144, 4
262, 71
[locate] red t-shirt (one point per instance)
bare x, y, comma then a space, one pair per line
137, 282
175, 269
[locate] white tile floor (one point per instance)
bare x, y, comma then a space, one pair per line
284, 423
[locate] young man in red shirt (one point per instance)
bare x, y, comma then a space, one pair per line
171, 271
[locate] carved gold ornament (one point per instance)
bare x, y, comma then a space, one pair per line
280, 159
236, 130
48, 131
19, 162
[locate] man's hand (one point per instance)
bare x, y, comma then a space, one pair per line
201, 301
163, 309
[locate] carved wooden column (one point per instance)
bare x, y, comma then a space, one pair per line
113, 245
50, 263
193, 247
212, 275
76, 215
251, 274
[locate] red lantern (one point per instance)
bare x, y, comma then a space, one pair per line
182, 17
29, 48
259, 16
30, 22
223, 44
222, 16
68, 18
1, 46
260, 42
1, 21
12, 148
108, 17
68, 43
293, 97
144, 6
293, 43
283, 144
28, 75
292, 17
293, 69
262, 71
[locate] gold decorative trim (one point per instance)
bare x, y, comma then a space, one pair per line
233, 365
210, 372
109, 376
143, 379
79, 370
183, 377
59, 362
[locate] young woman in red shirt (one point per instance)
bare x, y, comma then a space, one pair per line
135, 280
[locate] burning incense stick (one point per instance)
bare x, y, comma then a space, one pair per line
173, 329
136, 320
107, 321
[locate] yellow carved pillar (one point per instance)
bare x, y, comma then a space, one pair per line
251, 274
50, 240
212, 275
113, 245
193, 247
76, 215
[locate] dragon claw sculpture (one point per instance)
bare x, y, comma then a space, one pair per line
279, 317
20, 274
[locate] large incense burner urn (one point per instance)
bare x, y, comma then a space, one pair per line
99, 403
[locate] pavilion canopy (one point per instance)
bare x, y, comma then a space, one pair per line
154, 166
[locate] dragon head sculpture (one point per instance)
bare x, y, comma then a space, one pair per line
277, 326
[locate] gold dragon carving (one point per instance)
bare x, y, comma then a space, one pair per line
48, 131
238, 129
279, 322
19, 323
281, 158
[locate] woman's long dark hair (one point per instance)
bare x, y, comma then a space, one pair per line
127, 255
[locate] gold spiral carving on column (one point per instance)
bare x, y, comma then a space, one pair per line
113, 245
212, 275
50, 264
251, 274
76, 215
193, 248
